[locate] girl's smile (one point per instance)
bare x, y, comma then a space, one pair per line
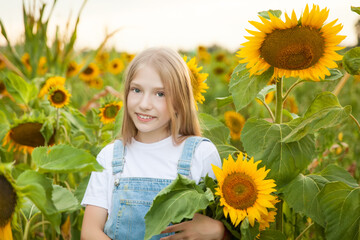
147, 106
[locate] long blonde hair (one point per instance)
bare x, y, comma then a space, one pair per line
175, 76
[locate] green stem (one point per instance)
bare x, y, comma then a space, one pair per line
57, 124
269, 110
279, 215
302, 233
279, 100
356, 121
291, 88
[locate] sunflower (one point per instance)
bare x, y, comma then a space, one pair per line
116, 66
59, 97
8, 205
72, 69
243, 189
42, 66
203, 54
25, 59
51, 82
235, 122
2, 64
266, 219
90, 72
127, 57
25, 136
2, 88
197, 80
102, 59
303, 48
96, 83
109, 111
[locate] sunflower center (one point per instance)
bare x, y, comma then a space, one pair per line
2, 87
235, 125
88, 71
295, 48
28, 134
239, 190
115, 65
58, 96
111, 111
7, 201
70, 68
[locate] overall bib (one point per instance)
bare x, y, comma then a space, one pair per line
133, 196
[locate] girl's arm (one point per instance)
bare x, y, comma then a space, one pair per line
93, 223
200, 227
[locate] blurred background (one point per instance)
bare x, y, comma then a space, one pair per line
178, 24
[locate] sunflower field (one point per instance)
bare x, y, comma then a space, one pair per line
282, 111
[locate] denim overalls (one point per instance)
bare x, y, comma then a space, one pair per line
133, 196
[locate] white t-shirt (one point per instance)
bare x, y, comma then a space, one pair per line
154, 160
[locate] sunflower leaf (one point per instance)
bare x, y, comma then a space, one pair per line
244, 87
39, 190
341, 207
64, 200
172, 205
64, 159
19, 88
265, 14
355, 9
248, 232
223, 101
267, 89
301, 195
324, 112
4, 125
264, 141
351, 61
272, 234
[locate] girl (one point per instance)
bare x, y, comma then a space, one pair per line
160, 138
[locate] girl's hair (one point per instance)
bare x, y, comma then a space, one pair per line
175, 76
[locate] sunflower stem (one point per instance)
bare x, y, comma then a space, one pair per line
279, 215
57, 124
269, 110
279, 100
291, 88
302, 233
356, 121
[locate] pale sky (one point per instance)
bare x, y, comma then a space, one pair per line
179, 24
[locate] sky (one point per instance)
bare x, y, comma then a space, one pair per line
179, 24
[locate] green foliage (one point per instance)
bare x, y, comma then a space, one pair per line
180, 200
351, 61
264, 141
244, 88
19, 88
64, 159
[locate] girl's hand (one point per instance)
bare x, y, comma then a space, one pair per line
200, 227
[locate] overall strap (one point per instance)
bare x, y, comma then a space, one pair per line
184, 163
118, 157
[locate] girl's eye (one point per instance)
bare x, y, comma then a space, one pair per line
135, 90
160, 94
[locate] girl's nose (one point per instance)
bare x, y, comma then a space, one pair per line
145, 102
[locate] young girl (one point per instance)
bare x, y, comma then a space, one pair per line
160, 138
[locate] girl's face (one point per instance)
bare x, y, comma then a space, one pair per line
146, 104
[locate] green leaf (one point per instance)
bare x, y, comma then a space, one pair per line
64, 159
22, 91
223, 101
267, 89
244, 88
355, 9
272, 234
39, 190
4, 125
301, 195
335, 74
248, 232
265, 14
264, 141
47, 131
351, 61
341, 207
64, 200
213, 129
335, 173
324, 112
79, 122
181, 199
225, 150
